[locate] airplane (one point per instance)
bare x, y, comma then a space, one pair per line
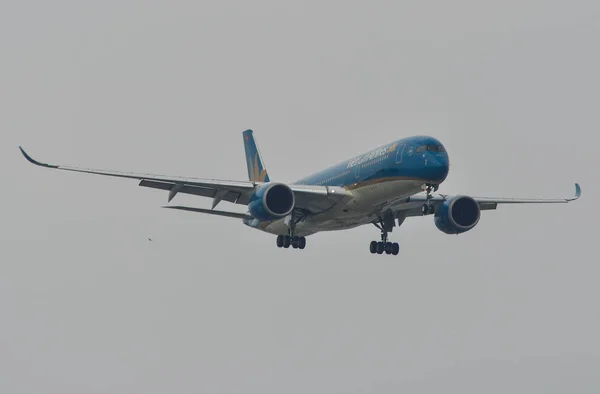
382, 187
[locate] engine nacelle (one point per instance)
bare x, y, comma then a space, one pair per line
457, 214
272, 201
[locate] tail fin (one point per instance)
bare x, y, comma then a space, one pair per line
256, 169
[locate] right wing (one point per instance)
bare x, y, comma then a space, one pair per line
314, 199
412, 205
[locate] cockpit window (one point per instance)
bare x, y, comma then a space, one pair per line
431, 148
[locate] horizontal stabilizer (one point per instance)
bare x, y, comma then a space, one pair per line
236, 215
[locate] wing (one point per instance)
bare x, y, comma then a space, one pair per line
412, 205
313, 199
211, 212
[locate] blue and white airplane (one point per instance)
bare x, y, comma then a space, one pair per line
381, 187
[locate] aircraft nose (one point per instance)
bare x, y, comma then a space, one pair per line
437, 167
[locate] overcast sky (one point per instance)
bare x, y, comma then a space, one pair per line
89, 305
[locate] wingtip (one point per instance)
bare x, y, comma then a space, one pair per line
33, 161
24, 153
577, 191
29, 159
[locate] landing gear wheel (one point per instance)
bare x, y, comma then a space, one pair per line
295, 242
424, 209
392, 248
373, 247
301, 242
388, 248
428, 209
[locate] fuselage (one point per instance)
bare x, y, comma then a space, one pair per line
375, 179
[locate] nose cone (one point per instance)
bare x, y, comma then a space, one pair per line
437, 167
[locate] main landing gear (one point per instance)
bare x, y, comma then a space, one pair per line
384, 246
386, 224
291, 239
285, 241
428, 208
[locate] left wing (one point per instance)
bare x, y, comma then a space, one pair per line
211, 212
412, 205
313, 199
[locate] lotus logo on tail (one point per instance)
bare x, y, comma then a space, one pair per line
256, 175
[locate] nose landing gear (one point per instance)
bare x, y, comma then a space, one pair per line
428, 208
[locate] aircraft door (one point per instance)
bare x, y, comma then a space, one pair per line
400, 153
357, 171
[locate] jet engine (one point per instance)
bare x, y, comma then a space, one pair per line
457, 214
272, 201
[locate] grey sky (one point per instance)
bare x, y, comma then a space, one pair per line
88, 305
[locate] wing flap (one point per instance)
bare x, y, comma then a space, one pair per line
235, 215
485, 206
233, 197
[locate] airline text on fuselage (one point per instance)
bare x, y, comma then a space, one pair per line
369, 156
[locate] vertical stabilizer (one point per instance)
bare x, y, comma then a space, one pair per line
256, 168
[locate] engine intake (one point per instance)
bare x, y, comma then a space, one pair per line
272, 201
457, 214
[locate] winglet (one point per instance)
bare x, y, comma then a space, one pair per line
577, 193
37, 163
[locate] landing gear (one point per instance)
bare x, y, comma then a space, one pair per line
384, 246
285, 241
428, 208
392, 248
291, 239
